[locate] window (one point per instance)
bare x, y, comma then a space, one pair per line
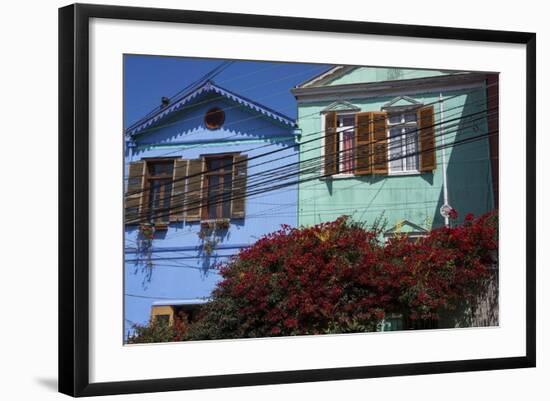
219, 185
162, 191
345, 124
162, 314
214, 118
163, 320
168, 314
159, 190
402, 142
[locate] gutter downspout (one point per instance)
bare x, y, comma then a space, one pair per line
444, 160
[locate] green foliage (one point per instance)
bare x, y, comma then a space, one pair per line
153, 332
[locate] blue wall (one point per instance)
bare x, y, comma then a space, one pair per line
181, 269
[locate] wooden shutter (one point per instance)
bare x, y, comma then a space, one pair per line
426, 138
133, 208
177, 201
379, 143
238, 195
363, 122
331, 145
193, 198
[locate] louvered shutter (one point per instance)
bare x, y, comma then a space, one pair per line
426, 138
133, 210
193, 198
379, 143
238, 195
331, 145
363, 122
177, 201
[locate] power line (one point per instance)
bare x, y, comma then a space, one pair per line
209, 75
463, 141
461, 107
221, 97
315, 159
484, 88
302, 143
210, 100
249, 187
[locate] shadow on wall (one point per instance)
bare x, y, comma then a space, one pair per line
469, 182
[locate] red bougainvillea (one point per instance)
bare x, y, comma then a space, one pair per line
339, 277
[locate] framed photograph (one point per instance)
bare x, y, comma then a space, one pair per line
251, 199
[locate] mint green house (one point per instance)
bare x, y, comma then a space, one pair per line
402, 144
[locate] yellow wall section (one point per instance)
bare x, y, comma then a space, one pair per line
163, 310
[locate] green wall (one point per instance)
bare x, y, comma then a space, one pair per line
416, 198
375, 74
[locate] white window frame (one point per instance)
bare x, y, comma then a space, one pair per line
404, 125
340, 131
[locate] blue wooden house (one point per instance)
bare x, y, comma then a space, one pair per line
200, 172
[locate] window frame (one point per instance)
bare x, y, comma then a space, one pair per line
341, 131
205, 218
340, 142
402, 111
148, 189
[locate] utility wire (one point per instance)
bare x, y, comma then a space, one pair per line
300, 144
483, 88
304, 163
463, 141
209, 75
221, 97
461, 107
251, 186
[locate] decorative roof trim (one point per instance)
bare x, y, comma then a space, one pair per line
340, 106
417, 229
181, 302
326, 76
388, 88
207, 87
412, 102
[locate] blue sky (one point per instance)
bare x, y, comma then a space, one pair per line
148, 78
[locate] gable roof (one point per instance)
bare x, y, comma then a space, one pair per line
326, 76
402, 101
406, 227
341, 106
205, 88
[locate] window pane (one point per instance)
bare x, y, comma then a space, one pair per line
396, 160
213, 182
161, 168
412, 148
213, 199
162, 320
167, 198
410, 117
214, 164
394, 118
347, 153
213, 195
227, 186
220, 164
395, 132
154, 198
346, 120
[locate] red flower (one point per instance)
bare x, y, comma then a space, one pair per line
338, 276
453, 214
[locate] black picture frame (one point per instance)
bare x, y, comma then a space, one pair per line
74, 201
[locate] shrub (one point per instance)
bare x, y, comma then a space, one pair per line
156, 331
339, 277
